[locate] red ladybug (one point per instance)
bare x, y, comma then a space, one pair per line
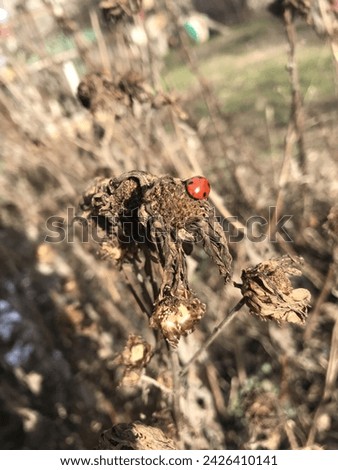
198, 187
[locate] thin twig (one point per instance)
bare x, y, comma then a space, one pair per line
297, 111
215, 198
332, 367
215, 388
289, 426
283, 178
103, 50
218, 329
295, 132
149, 380
176, 408
139, 297
330, 379
326, 289
329, 23
308, 270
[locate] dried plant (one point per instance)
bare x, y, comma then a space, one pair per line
107, 99
134, 357
142, 213
269, 294
64, 315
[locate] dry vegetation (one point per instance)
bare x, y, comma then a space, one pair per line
137, 323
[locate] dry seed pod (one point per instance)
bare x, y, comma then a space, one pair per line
176, 217
136, 354
135, 436
268, 292
177, 316
102, 97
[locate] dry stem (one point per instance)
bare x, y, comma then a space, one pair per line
217, 331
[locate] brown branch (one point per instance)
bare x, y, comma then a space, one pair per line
176, 408
295, 132
101, 43
297, 111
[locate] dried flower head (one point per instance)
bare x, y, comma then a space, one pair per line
139, 213
177, 316
134, 357
136, 353
174, 217
108, 100
105, 100
268, 292
135, 436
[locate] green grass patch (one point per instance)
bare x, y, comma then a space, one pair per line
248, 72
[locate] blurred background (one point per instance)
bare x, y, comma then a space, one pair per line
247, 96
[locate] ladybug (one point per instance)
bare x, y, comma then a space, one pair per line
198, 187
